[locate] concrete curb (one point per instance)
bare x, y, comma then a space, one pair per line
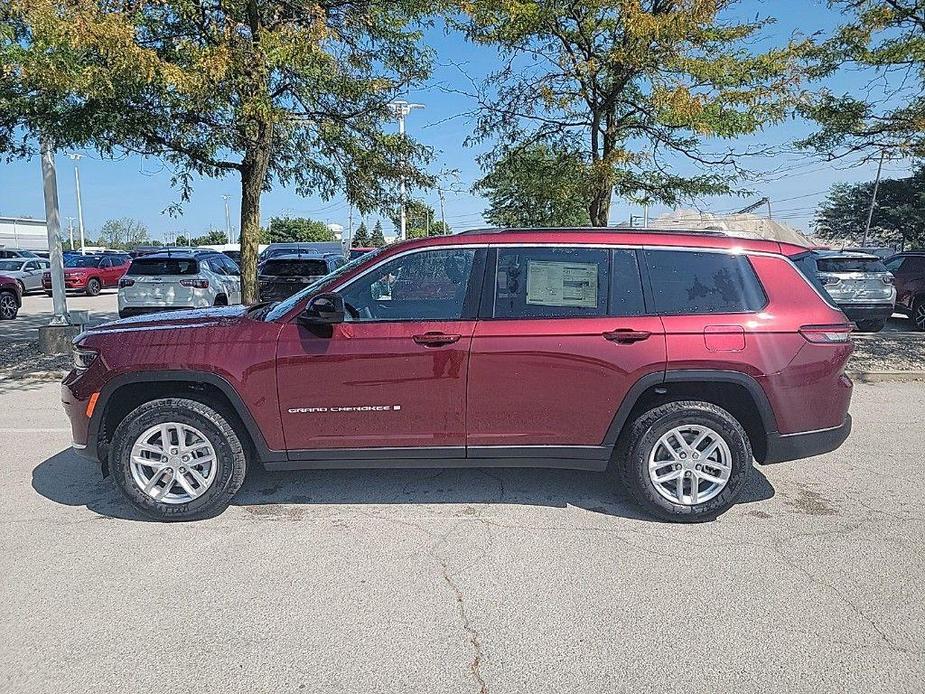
885, 376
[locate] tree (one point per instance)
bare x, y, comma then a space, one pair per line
419, 221
294, 92
214, 237
292, 229
377, 240
886, 39
361, 237
632, 86
899, 215
123, 233
536, 186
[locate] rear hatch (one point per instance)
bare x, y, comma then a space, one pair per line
280, 278
855, 280
161, 282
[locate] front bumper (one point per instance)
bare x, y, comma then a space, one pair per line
784, 447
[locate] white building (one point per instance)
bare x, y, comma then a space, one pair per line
18, 232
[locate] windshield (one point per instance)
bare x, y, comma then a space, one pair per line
283, 307
294, 268
11, 265
81, 261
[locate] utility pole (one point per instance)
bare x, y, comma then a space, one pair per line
70, 231
227, 219
80, 213
645, 216
442, 211
400, 109
53, 225
349, 231
873, 200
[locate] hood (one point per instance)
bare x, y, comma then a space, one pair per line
172, 320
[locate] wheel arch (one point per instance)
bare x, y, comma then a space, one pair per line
738, 393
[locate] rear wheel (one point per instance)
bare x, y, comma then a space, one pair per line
918, 313
93, 287
686, 461
871, 326
8, 306
221, 300
22, 288
177, 459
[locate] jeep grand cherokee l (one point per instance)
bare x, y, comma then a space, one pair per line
672, 359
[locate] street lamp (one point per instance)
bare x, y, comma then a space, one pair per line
227, 219
80, 214
400, 109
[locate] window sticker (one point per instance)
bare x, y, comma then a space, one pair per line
551, 283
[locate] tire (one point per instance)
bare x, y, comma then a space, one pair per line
224, 476
918, 313
22, 288
8, 306
221, 300
871, 326
93, 287
644, 440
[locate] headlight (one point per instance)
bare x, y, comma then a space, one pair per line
83, 358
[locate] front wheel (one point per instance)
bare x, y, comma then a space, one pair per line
918, 313
686, 461
93, 287
8, 306
177, 459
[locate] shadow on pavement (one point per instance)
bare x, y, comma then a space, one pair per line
68, 479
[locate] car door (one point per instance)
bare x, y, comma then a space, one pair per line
563, 335
32, 277
233, 277
393, 375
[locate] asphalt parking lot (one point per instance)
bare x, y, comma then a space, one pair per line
37, 310
467, 580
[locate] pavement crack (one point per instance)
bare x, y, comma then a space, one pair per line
471, 634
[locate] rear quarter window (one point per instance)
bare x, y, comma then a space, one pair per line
691, 282
164, 266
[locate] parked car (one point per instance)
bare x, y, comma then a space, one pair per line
305, 247
523, 348
909, 272
90, 274
26, 271
179, 280
359, 251
10, 298
17, 253
283, 275
858, 283
235, 256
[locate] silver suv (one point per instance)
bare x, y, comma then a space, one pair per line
179, 279
860, 284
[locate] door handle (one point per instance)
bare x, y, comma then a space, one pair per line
435, 339
625, 336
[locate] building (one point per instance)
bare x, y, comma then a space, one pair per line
19, 232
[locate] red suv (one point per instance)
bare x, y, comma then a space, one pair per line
673, 359
90, 273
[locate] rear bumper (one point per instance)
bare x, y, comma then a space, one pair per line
784, 447
129, 311
864, 312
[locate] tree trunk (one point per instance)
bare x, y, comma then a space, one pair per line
253, 177
599, 209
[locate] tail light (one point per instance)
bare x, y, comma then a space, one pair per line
195, 284
126, 282
837, 333
887, 279
829, 280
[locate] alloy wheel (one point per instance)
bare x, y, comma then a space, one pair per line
8, 307
918, 316
690, 464
173, 463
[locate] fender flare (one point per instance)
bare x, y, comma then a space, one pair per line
264, 453
687, 375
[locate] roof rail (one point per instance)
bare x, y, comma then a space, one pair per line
584, 230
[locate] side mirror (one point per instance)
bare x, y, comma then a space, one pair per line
324, 309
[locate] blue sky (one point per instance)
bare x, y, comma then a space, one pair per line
140, 188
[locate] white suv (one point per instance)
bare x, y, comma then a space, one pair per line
170, 280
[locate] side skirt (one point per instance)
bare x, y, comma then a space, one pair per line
593, 458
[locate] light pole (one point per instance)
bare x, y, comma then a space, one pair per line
227, 218
873, 201
53, 225
80, 213
70, 231
400, 109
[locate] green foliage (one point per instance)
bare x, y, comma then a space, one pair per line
419, 221
633, 85
887, 40
536, 186
214, 237
899, 215
377, 240
361, 238
294, 92
292, 229
123, 233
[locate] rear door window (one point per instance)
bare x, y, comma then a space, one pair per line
164, 266
690, 282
